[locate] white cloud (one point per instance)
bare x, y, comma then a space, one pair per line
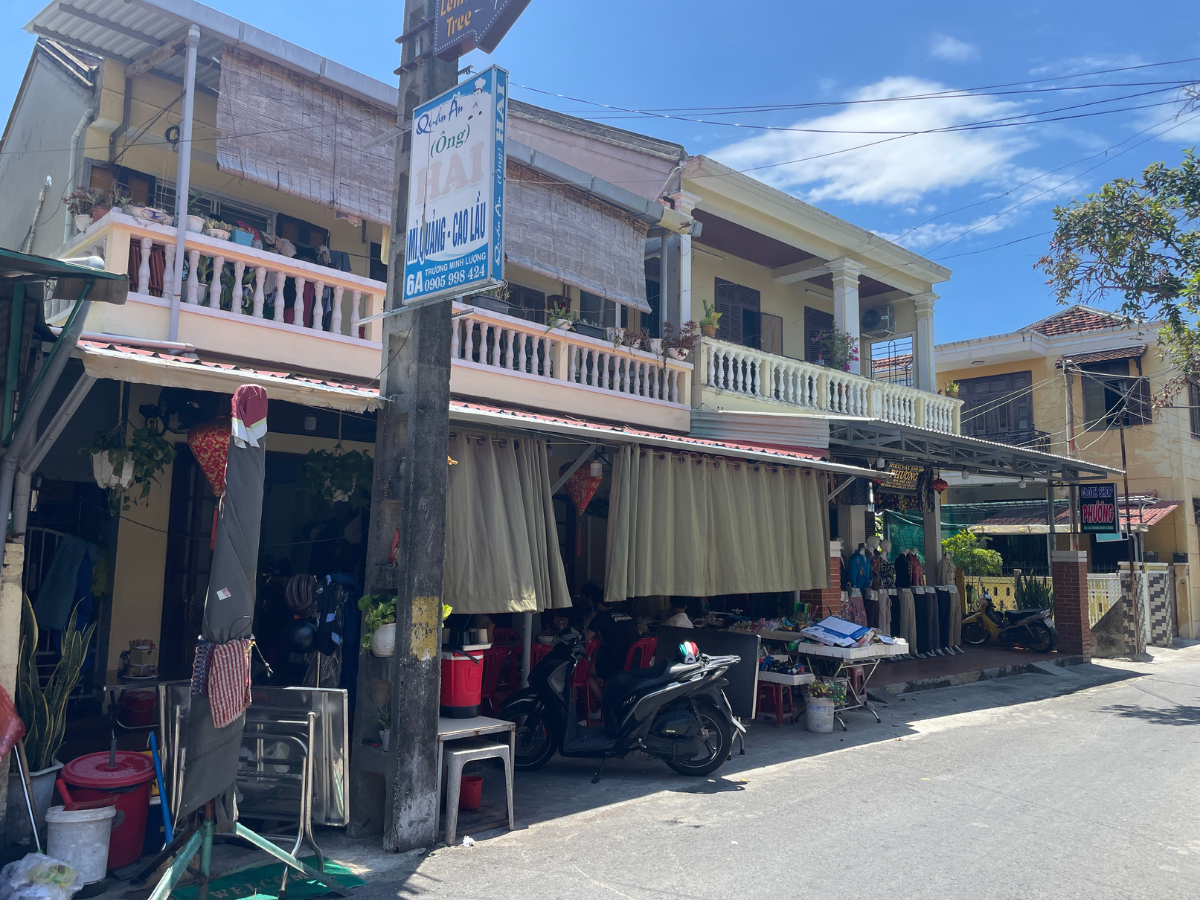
952, 49
893, 171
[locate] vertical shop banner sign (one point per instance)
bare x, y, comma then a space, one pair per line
454, 243
1098, 509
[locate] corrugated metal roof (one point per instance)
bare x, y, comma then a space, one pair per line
1138, 516
125, 30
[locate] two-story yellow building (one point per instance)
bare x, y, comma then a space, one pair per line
1072, 383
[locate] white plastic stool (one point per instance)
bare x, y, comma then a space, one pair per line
458, 754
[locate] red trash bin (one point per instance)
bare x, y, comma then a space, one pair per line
90, 778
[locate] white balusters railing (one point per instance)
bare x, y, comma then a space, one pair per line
497, 341
254, 281
791, 382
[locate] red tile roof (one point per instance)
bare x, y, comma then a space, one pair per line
1076, 320
1079, 359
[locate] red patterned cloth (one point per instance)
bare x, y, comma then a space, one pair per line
209, 442
249, 414
229, 681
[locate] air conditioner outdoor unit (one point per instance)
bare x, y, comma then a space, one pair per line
879, 322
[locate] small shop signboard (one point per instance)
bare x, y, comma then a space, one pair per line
901, 479
463, 25
1098, 509
454, 243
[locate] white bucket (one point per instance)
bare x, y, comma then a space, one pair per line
80, 837
818, 714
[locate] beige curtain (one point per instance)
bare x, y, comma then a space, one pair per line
698, 527
501, 539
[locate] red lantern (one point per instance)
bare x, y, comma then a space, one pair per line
210, 445
939, 485
581, 488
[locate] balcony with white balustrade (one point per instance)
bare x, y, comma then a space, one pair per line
242, 318
496, 357
732, 376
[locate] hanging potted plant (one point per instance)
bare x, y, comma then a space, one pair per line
80, 204
128, 470
43, 709
708, 324
337, 476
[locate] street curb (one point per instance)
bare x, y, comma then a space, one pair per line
1035, 667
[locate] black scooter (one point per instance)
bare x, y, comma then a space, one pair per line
676, 711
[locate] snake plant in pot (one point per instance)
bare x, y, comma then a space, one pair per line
43, 709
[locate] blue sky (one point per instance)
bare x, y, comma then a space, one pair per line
976, 200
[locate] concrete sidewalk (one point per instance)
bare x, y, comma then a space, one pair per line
974, 664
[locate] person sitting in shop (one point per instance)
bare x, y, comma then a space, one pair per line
617, 633
679, 617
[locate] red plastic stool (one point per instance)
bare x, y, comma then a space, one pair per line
776, 699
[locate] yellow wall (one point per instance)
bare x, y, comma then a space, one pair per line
1162, 457
140, 569
153, 156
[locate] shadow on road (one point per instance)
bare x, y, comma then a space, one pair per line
1177, 715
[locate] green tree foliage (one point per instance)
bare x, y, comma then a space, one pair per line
964, 549
1138, 239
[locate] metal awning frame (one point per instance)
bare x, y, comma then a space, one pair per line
917, 446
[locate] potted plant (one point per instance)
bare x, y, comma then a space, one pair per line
80, 204
107, 200
821, 698
379, 623
44, 712
195, 212
708, 324
215, 228
337, 476
952, 389
838, 349
560, 316
678, 346
384, 718
128, 470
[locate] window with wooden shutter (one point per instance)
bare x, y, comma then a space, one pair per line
772, 334
739, 308
1111, 395
816, 323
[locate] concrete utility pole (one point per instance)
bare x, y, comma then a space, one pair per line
409, 491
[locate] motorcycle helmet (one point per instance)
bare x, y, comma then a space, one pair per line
689, 652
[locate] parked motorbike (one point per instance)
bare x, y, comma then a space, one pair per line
674, 710
1028, 627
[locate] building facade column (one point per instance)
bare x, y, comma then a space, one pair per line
684, 202
846, 317
925, 363
1071, 602
827, 601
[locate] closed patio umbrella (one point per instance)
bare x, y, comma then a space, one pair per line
221, 678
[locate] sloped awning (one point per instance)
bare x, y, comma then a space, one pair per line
141, 365
1138, 518
604, 432
1117, 353
852, 440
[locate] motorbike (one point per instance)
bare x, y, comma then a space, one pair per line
1028, 627
674, 710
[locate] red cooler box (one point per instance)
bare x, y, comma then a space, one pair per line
462, 684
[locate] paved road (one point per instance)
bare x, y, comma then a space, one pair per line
1083, 784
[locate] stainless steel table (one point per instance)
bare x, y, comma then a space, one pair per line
843, 658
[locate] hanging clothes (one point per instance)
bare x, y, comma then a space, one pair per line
61, 589
916, 570
903, 571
